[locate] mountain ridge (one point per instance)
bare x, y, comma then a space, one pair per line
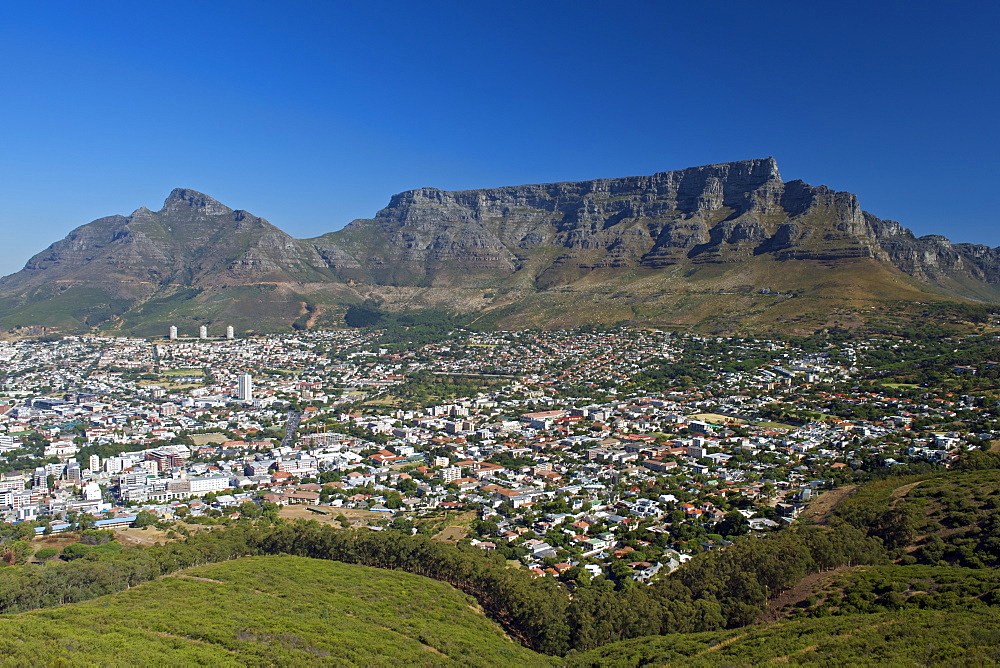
529, 255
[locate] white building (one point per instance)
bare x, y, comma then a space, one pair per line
173, 333
203, 332
244, 387
92, 492
201, 486
230, 332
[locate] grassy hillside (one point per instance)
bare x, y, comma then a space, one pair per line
829, 593
915, 637
943, 519
267, 611
800, 297
284, 610
870, 589
717, 298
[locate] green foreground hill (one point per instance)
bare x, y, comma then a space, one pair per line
267, 611
901, 573
285, 610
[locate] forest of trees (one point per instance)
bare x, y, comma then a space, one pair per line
715, 590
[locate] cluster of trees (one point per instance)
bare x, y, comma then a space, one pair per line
716, 590
788, 413
870, 509
670, 375
889, 588
931, 362
425, 387
691, 368
954, 519
98, 572
403, 329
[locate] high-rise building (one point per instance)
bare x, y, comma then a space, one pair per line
95, 463
203, 332
230, 332
173, 332
244, 387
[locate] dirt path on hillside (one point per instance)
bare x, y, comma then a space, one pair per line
822, 507
718, 646
902, 491
805, 588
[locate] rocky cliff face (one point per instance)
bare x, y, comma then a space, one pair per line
192, 240
192, 261
723, 213
506, 242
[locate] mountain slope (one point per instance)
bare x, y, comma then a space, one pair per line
284, 610
720, 247
724, 213
193, 255
911, 637
267, 611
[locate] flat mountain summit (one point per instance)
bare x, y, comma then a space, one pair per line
726, 247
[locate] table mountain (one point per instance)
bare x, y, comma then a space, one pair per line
718, 246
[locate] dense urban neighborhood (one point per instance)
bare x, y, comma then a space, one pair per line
614, 453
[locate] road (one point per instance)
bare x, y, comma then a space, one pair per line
291, 425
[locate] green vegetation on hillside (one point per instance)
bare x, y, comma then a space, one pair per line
952, 518
913, 637
424, 388
267, 611
403, 330
873, 589
716, 590
725, 592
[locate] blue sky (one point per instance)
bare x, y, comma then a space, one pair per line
312, 114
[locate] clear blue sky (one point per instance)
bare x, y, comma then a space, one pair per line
312, 114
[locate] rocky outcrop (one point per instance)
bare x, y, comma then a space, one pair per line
192, 240
722, 213
521, 238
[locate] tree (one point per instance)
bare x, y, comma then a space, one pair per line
250, 510
75, 551
24, 531
145, 518
270, 510
17, 552
733, 524
46, 553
